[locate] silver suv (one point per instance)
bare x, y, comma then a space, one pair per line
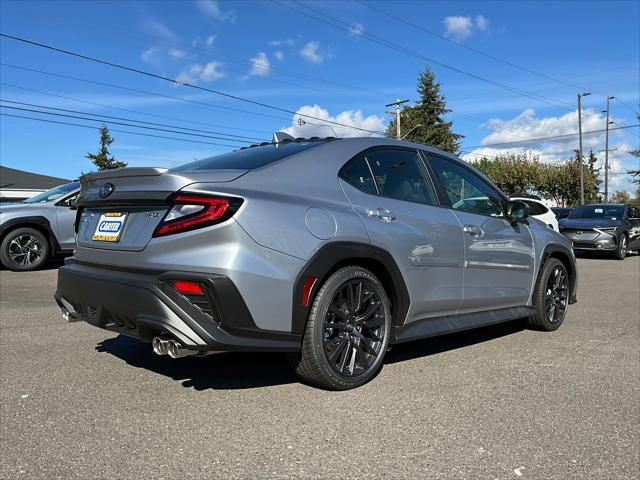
328, 249
35, 229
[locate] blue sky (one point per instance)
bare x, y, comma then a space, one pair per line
273, 54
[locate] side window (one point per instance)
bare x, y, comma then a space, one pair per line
536, 208
401, 174
357, 174
69, 201
634, 212
466, 191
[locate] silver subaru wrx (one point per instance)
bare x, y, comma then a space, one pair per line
328, 249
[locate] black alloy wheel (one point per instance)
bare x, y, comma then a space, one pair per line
557, 294
354, 328
24, 249
347, 331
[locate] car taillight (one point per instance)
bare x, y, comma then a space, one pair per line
191, 211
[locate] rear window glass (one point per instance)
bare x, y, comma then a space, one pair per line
249, 158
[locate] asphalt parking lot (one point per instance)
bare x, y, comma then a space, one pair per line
498, 403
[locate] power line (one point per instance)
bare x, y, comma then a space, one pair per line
111, 122
197, 132
176, 82
553, 137
127, 109
146, 92
462, 45
394, 46
119, 131
213, 53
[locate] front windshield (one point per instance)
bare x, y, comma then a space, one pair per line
611, 212
54, 193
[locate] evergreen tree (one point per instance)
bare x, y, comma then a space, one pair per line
103, 159
591, 193
425, 120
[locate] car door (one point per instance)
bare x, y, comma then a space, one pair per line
499, 256
66, 214
392, 192
634, 228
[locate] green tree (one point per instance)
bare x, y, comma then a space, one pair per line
592, 181
103, 159
425, 120
512, 172
635, 172
621, 196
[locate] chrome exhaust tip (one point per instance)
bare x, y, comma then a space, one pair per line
160, 346
177, 350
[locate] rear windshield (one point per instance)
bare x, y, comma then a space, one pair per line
249, 158
598, 211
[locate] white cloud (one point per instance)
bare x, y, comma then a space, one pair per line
316, 128
212, 9
260, 65
356, 30
458, 27
527, 125
156, 55
211, 39
279, 55
159, 29
151, 55
311, 53
201, 72
287, 42
482, 23
176, 53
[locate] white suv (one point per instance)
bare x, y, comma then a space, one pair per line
539, 210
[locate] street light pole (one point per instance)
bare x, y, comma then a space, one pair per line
606, 153
397, 104
580, 95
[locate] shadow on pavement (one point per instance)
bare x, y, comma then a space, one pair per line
240, 370
229, 370
452, 341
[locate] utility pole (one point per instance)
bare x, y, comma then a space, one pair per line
580, 95
397, 104
606, 152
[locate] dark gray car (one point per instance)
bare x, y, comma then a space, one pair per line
33, 230
329, 250
610, 228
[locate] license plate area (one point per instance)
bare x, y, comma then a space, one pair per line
109, 228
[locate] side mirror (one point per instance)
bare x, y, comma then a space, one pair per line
518, 211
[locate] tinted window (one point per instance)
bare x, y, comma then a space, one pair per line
466, 191
400, 174
248, 158
357, 173
634, 212
536, 208
598, 211
54, 193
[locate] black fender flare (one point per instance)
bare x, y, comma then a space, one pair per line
554, 248
33, 221
335, 254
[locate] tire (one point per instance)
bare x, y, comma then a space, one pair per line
24, 249
621, 251
351, 350
551, 297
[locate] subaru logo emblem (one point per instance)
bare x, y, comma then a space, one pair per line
106, 190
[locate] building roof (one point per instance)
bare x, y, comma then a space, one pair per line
13, 179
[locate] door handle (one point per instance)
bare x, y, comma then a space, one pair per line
382, 214
473, 230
